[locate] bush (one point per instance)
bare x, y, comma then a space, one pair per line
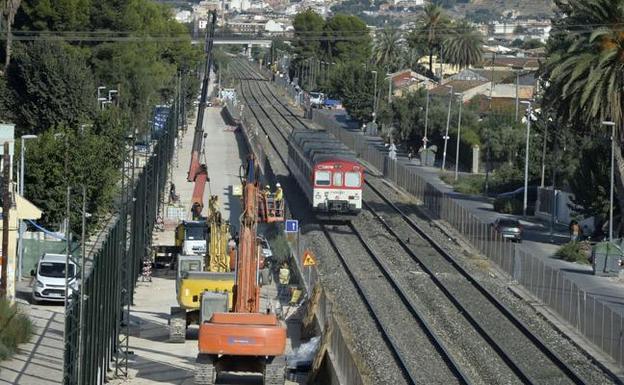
15, 328
467, 184
572, 252
508, 206
506, 178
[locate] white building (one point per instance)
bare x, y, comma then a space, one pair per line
184, 17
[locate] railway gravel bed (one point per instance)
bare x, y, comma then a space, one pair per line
374, 357
422, 361
477, 359
497, 283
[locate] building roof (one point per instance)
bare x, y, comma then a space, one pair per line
458, 86
511, 61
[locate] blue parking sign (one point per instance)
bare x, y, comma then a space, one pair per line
292, 226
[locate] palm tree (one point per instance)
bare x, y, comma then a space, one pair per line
431, 26
585, 69
464, 45
389, 50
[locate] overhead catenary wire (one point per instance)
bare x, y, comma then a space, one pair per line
326, 35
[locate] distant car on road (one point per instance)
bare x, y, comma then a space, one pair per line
509, 228
317, 99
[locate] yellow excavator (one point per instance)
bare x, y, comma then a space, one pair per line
199, 275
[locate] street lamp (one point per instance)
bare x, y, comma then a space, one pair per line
426, 116
389, 77
448, 122
374, 95
461, 103
21, 193
529, 117
612, 125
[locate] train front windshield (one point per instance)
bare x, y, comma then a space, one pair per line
195, 233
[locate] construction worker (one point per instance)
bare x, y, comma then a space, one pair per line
284, 278
279, 199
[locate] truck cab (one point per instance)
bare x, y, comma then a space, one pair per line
191, 237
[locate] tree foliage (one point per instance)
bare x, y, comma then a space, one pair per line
463, 46
51, 90
50, 86
347, 39
389, 51
308, 26
428, 35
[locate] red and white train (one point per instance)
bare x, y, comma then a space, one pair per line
327, 172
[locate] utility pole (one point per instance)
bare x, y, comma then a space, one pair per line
6, 207
448, 122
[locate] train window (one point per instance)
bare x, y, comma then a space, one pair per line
352, 179
322, 178
337, 179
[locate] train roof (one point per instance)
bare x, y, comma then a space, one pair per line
319, 146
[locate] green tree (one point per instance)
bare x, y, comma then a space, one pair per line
51, 86
347, 39
354, 84
389, 51
55, 15
584, 70
308, 26
431, 27
592, 171
464, 45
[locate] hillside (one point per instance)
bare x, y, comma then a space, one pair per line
523, 7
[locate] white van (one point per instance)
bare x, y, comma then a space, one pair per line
50, 278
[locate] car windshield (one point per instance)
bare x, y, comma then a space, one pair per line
195, 233
314, 95
55, 269
509, 223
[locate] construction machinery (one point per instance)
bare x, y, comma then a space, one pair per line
244, 339
203, 265
200, 273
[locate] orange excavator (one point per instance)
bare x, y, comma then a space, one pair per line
244, 339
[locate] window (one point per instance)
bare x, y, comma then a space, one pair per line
337, 179
352, 179
55, 269
322, 178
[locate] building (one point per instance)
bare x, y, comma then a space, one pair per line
406, 81
21, 210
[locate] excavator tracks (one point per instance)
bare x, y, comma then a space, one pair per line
274, 372
205, 371
177, 326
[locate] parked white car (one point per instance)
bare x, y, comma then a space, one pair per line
50, 278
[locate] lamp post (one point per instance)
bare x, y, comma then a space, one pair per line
374, 95
21, 193
389, 77
526, 158
461, 103
426, 116
612, 125
448, 122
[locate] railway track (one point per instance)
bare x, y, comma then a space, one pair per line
525, 356
415, 331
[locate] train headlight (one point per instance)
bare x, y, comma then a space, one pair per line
318, 196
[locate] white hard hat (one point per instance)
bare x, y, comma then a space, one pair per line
267, 187
278, 185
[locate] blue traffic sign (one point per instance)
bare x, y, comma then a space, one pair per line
292, 226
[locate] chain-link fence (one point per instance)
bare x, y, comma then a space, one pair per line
591, 315
92, 342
